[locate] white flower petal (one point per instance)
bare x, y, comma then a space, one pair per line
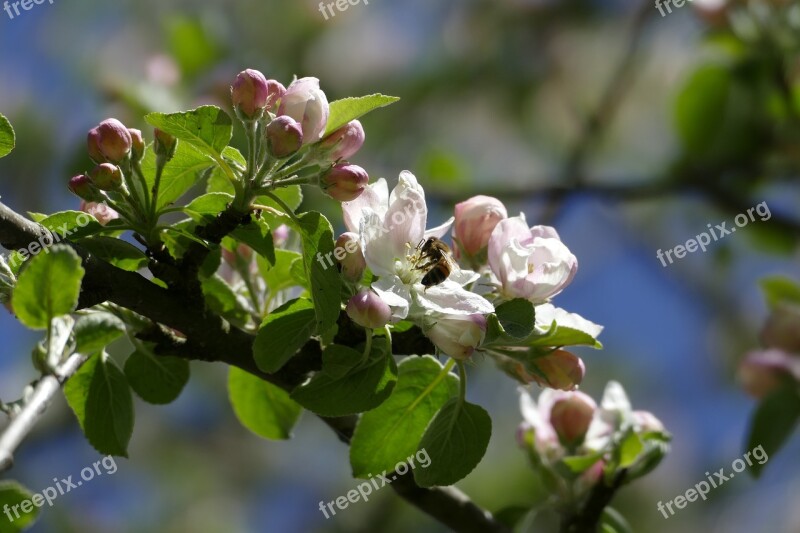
406, 219
450, 298
396, 295
376, 244
439, 231
375, 197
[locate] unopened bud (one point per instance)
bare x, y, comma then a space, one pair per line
305, 102
344, 182
137, 144
82, 187
249, 94
475, 219
350, 256
345, 142
109, 142
458, 335
99, 211
571, 415
165, 144
107, 177
368, 310
284, 136
762, 372
782, 328
561, 370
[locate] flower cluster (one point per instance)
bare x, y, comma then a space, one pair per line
501, 259
778, 363
574, 444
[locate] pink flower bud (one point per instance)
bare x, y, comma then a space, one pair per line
344, 182
346, 141
275, 92
82, 187
250, 94
562, 370
782, 329
305, 102
476, 218
284, 137
137, 144
165, 144
458, 335
762, 372
368, 310
571, 415
106, 177
100, 211
351, 258
109, 142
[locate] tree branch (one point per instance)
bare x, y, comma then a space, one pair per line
210, 338
23, 422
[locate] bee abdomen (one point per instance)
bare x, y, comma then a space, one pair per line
434, 277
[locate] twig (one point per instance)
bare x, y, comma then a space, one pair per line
24, 421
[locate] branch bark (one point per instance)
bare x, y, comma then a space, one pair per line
23, 422
210, 338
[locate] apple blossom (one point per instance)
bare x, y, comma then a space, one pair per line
137, 144
249, 94
475, 219
284, 137
82, 187
107, 177
100, 211
390, 227
344, 182
352, 258
368, 310
559, 369
530, 263
110, 141
764, 371
165, 144
345, 142
305, 102
570, 415
457, 335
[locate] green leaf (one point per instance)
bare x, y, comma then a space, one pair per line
338, 360
780, 289
392, 432
7, 138
71, 224
347, 109
222, 300
12, 496
629, 449
119, 253
284, 331
95, 331
613, 522
455, 440
578, 464
278, 276
516, 317
257, 236
774, 421
48, 287
208, 128
156, 379
365, 387
262, 407
180, 173
101, 399
553, 327
205, 208
325, 281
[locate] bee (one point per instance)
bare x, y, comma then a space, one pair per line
434, 258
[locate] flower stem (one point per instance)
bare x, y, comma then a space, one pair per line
462, 392
367, 346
